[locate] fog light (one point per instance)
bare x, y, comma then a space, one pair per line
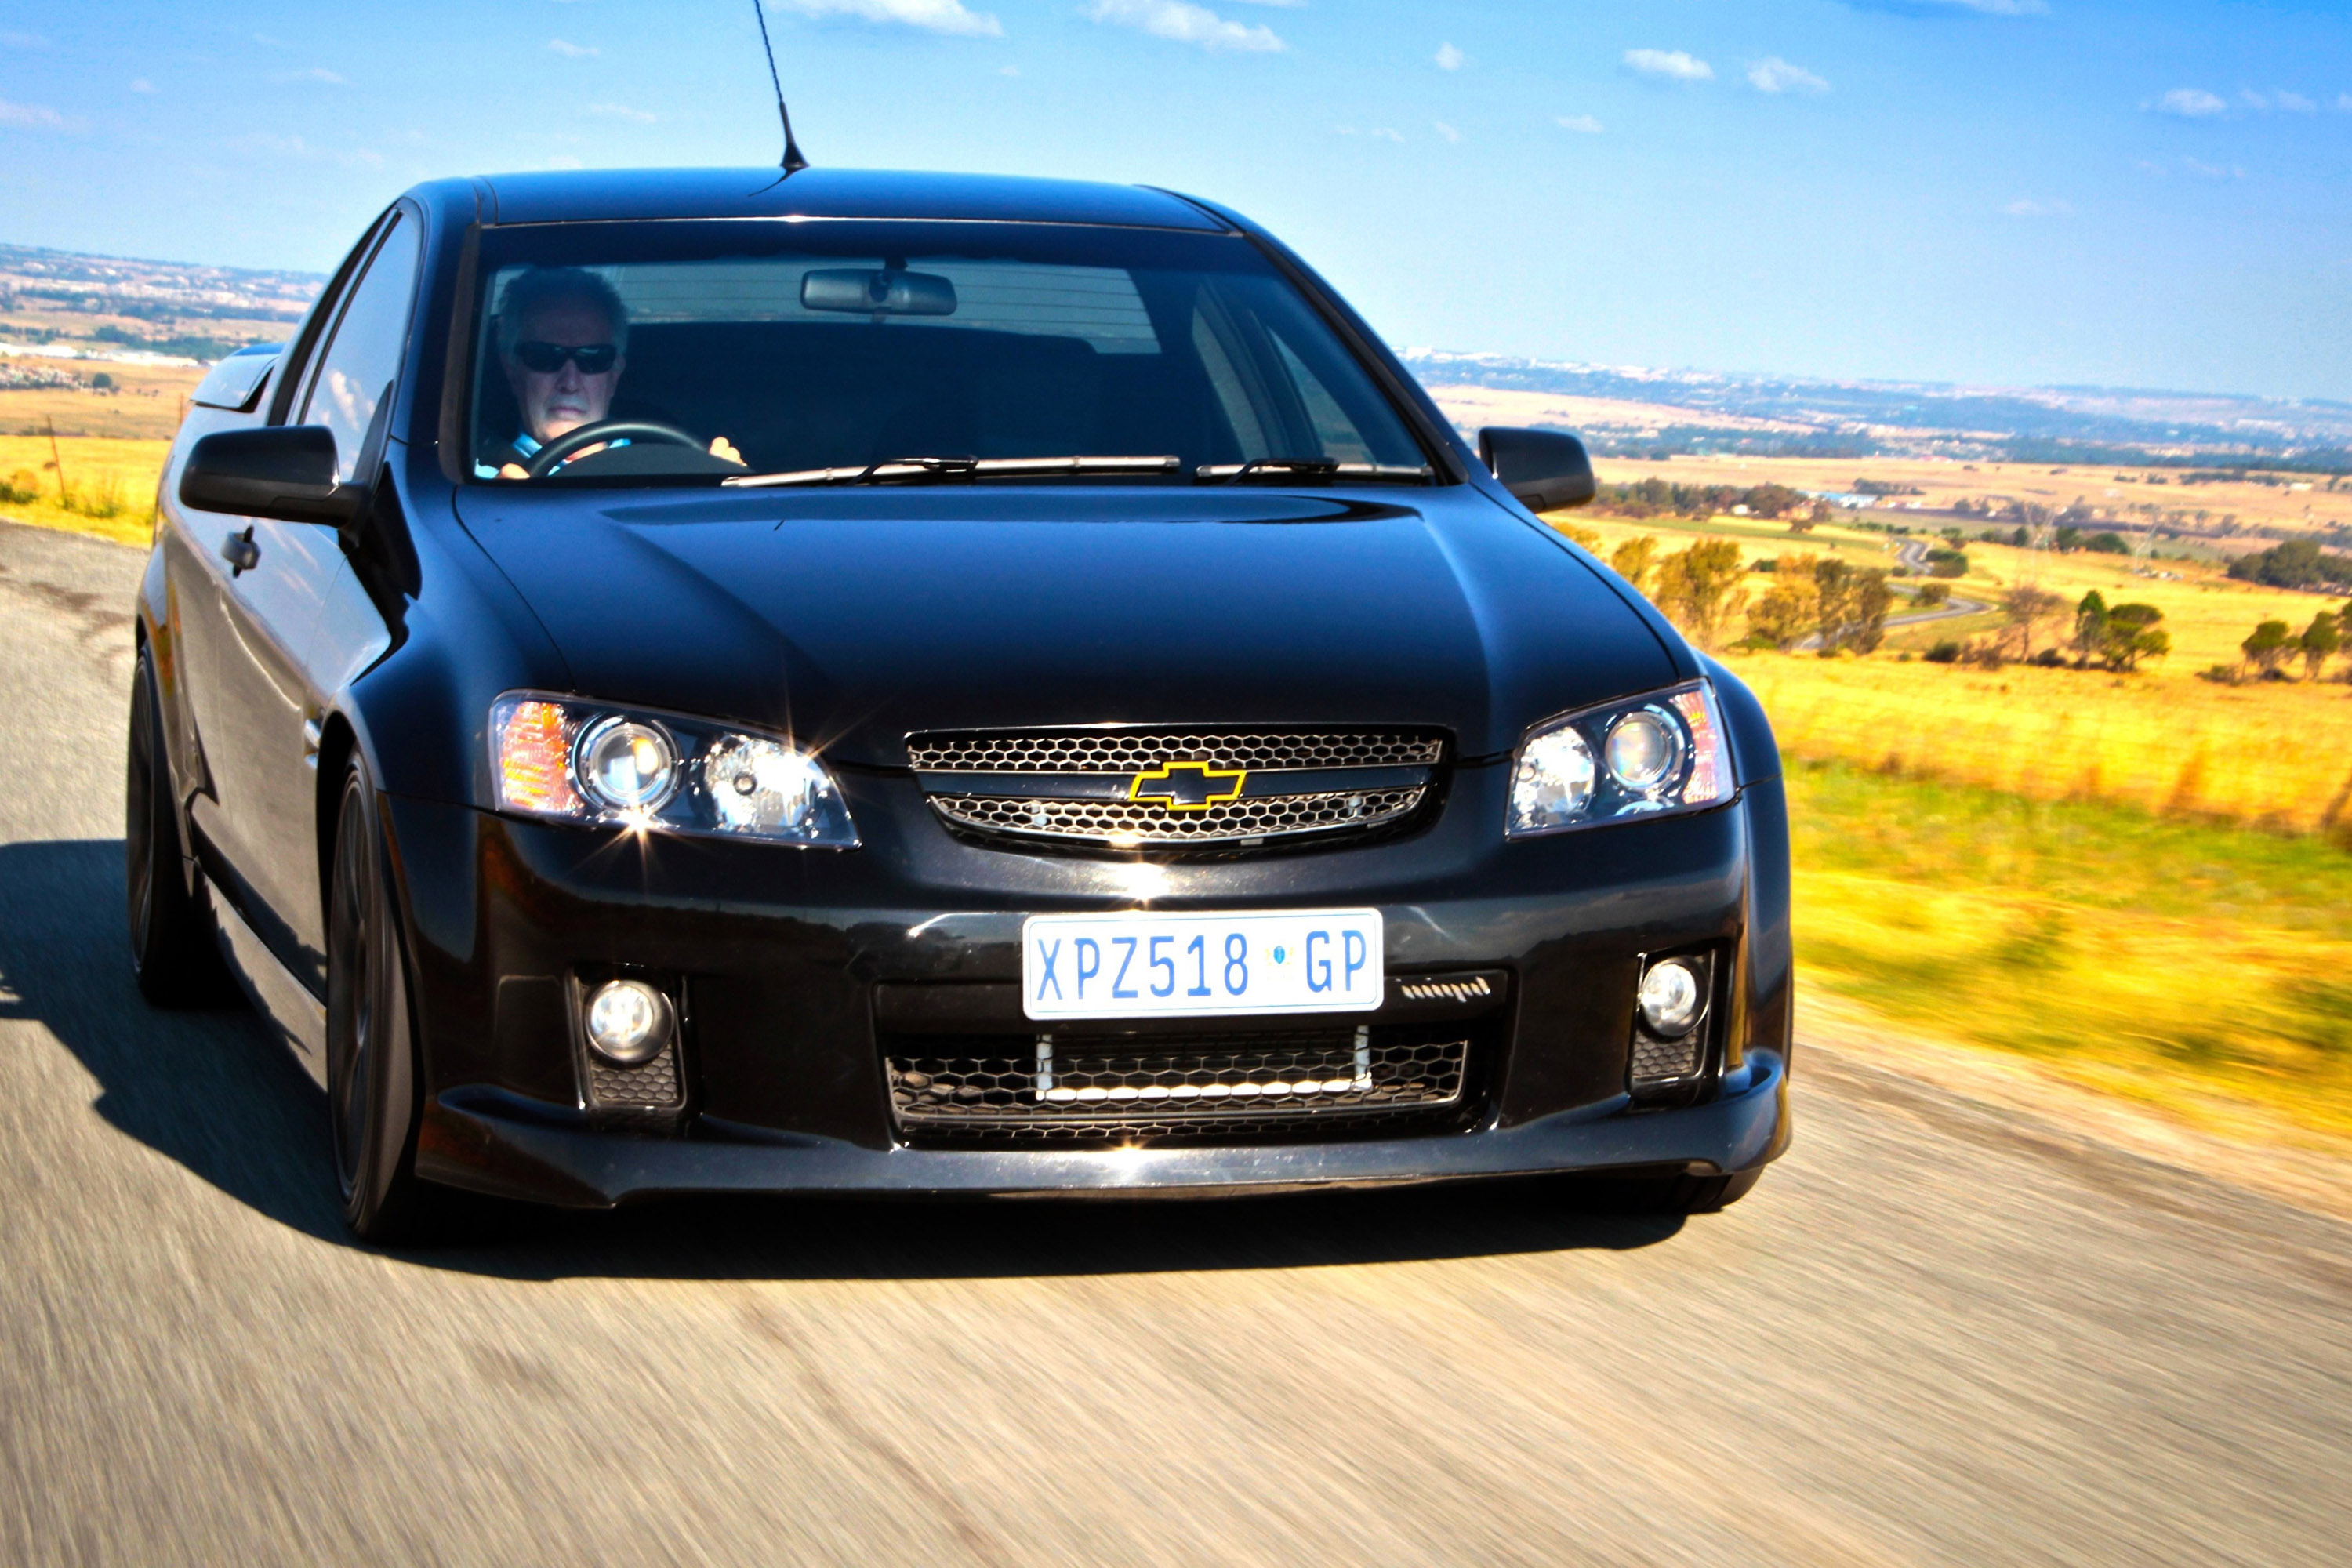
1673, 999
629, 1022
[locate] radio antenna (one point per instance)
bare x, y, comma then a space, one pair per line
793, 161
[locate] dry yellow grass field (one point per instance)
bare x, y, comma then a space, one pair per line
147, 403
2275, 756
2115, 490
110, 483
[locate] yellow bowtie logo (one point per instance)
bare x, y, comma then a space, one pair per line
1186, 786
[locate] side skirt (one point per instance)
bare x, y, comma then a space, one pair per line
296, 1017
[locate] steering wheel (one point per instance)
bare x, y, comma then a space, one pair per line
544, 461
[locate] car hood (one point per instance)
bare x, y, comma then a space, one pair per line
855, 617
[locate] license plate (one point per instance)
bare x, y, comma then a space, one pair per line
1147, 965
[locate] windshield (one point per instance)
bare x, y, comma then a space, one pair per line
832, 353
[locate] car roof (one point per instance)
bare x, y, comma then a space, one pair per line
605, 195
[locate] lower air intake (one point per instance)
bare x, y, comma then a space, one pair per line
1206, 1088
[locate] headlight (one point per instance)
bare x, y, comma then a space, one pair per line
582, 762
1644, 756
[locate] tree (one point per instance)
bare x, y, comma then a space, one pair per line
2024, 609
2268, 646
1633, 560
1779, 501
1791, 607
2090, 639
2297, 563
2130, 635
2320, 640
1701, 589
1934, 593
1872, 599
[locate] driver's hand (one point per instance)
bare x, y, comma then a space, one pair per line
721, 446
513, 471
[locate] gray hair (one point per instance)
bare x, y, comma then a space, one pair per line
528, 291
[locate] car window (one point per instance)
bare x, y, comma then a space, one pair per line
714, 349
364, 358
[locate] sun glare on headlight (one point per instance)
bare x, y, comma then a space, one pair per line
579, 761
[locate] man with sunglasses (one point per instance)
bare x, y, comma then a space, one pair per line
563, 338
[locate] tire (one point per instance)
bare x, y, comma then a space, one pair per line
371, 1079
173, 956
1677, 1194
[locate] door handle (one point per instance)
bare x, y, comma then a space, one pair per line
241, 552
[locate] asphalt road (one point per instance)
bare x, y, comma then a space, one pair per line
1936, 1333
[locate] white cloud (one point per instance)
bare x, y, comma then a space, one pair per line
24, 40
1997, 7
140, 84
2296, 103
572, 51
2204, 171
621, 111
1183, 23
1445, 130
931, 16
1448, 57
1773, 74
2190, 103
1008, 71
1583, 124
566, 161
2028, 208
2344, 102
34, 117
1671, 63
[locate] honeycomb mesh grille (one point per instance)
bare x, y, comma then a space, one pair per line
1146, 821
653, 1086
1655, 1059
1129, 750
1217, 1087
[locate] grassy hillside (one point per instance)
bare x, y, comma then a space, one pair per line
107, 487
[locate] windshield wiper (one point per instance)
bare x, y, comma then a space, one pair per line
1310, 470
937, 470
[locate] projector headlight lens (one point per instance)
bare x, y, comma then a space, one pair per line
629, 1022
571, 760
625, 764
1671, 999
1644, 751
1647, 756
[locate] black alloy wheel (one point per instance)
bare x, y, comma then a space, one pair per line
172, 952
371, 1081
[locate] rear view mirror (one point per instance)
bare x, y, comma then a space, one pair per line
1543, 469
853, 290
281, 471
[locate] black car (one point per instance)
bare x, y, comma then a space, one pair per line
693, 681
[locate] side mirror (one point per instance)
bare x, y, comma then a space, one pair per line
282, 471
1543, 469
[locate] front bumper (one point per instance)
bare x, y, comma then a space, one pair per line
788, 957
501, 1145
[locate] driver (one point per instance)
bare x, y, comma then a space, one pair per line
562, 338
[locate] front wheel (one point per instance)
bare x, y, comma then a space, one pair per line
173, 953
371, 1085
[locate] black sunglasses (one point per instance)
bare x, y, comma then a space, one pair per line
546, 358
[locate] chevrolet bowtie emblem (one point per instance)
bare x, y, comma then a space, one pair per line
1186, 786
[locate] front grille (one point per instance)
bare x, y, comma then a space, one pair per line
1128, 751
1199, 1087
1120, 822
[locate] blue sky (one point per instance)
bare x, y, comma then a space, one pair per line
1996, 191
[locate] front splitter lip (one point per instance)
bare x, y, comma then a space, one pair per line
467, 1141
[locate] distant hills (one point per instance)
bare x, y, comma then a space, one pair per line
1671, 411
106, 307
